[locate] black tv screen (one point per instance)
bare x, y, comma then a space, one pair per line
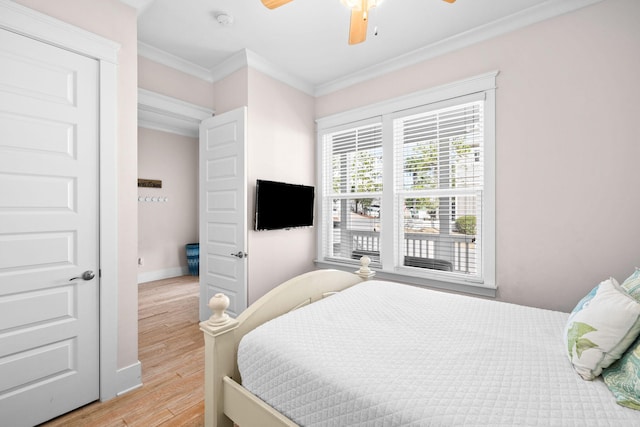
280, 205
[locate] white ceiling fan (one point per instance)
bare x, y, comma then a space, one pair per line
359, 15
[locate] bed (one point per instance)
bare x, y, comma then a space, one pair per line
381, 353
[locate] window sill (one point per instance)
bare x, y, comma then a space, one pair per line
467, 288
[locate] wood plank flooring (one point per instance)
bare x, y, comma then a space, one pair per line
171, 350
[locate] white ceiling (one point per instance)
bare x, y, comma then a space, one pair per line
305, 42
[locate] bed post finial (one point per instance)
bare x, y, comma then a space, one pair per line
364, 271
218, 305
219, 345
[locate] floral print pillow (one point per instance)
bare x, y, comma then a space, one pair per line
623, 377
600, 328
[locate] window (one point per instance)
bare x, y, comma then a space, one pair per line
353, 190
409, 183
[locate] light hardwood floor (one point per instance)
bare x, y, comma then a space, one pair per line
171, 350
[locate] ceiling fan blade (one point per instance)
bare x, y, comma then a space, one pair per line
358, 27
272, 4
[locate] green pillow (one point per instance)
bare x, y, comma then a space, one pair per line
632, 285
601, 328
623, 377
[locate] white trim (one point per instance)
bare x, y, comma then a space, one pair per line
247, 58
129, 378
242, 59
33, 24
164, 113
413, 280
489, 258
139, 5
25, 21
108, 231
257, 62
165, 58
168, 273
451, 90
521, 19
235, 62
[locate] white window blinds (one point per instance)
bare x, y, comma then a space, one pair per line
439, 179
410, 182
353, 170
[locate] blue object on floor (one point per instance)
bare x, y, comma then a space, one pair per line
193, 258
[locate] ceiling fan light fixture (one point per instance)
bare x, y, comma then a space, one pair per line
357, 4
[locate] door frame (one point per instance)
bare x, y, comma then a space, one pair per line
35, 25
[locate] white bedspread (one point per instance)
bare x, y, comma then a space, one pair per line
382, 354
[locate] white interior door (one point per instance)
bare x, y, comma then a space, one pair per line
223, 210
49, 360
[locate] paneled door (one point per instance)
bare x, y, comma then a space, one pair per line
223, 210
49, 282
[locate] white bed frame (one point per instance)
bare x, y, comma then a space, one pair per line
226, 401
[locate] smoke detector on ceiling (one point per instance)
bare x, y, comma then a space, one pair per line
224, 19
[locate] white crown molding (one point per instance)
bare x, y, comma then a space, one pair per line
456, 89
167, 114
235, 62
532, 15
165, 58
20, 19
259, 63
139, 5
247, 58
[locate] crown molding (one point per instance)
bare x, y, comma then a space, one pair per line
460, 88
28, 22
239, 60
139, 5
247, 58
257, 62
165, 58
167, 114
235, 62
532, 15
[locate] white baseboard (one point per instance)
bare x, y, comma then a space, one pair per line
129, 378
150, 276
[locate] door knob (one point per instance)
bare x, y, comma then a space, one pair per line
240, 254
87, 275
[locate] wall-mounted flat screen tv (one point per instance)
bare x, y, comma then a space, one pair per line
281, 205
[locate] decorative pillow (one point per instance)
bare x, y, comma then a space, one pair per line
623, 377
632, 285
601, 327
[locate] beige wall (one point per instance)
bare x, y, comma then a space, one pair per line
164, 228
168, 81
231, 92
567, 147
281, 148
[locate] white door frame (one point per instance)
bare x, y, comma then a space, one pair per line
38, 26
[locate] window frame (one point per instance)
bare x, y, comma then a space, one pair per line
454, 93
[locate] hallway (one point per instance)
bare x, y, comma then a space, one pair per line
171, 350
